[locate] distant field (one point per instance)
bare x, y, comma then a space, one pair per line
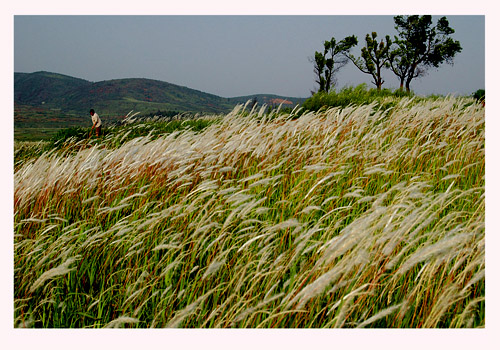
346, 217
34, 134
36, 124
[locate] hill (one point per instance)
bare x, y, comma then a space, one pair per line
73, 96
51, 100
42, 88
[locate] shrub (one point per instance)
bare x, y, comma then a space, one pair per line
479, 95
350, 95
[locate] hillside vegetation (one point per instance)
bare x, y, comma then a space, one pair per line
53, 101
346, 217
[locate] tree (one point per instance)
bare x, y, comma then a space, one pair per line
328, 63
421, 46
479, 94
374, 57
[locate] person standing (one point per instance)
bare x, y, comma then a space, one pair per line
96, 123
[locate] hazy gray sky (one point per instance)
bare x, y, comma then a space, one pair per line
226, 55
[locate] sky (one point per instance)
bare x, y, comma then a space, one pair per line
228, 55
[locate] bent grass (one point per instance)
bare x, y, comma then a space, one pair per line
353, 217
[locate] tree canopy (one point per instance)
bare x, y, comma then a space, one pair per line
421, 46
374, 57
333, 57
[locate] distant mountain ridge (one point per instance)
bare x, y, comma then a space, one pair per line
70, 98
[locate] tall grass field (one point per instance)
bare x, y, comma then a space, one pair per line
349, 217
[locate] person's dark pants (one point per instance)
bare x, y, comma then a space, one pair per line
98, 131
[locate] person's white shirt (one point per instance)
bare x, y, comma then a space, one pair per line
96, 120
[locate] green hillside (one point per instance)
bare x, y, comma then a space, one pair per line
51, 100
45, 89
112, 97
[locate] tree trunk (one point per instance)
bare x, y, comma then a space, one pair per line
410, 76
379, 78
408, 85
401, 83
